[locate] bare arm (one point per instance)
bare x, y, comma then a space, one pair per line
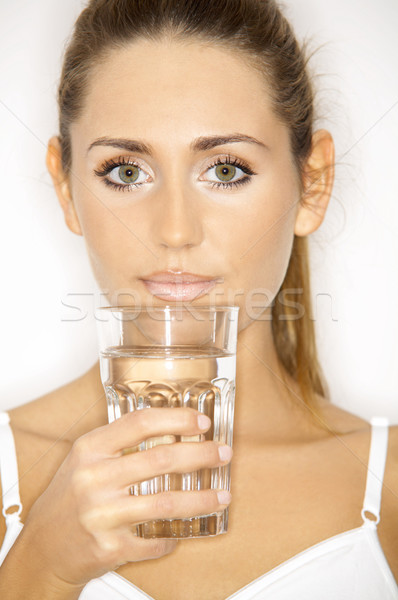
23, 575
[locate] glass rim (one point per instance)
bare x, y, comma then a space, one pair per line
173, 308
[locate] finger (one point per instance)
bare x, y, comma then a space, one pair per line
135, 427
180, 457
136, 548
165, 505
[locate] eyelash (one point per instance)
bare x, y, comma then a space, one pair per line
109, 165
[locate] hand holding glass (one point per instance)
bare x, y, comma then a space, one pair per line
173, 357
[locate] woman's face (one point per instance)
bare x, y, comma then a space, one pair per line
157, 199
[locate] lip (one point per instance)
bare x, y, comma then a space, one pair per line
179, 285
183, 277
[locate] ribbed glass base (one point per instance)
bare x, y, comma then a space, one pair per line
185, 528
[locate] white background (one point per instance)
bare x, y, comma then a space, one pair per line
354, 254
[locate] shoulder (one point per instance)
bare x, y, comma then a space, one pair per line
390, 487
388, 526
67, 412
45, 429
357, 436
340, 421
390, 482
393, 444
38, 458
43, 432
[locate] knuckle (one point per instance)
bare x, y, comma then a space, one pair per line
143, 420
91, 518
107, 548
164, 503
191, 417
208, 453
108, 544
212, 453
186, 416
82, 480
161, 547
80, 447
161, 458
209, 500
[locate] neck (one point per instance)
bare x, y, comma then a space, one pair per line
268, 403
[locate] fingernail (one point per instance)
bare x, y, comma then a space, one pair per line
204, 422
225, 453
224, 497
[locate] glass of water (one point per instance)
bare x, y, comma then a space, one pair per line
173, 357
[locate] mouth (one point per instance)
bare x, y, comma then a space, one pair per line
171, 285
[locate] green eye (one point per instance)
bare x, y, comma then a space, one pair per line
128, 173
225, 172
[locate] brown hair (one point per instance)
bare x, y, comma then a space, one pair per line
261, 34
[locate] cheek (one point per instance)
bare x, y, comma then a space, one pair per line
105, 235
261, 244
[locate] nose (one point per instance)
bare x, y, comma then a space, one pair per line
178, 222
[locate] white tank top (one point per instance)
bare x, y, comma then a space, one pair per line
348, 566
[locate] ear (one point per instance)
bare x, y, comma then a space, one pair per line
61, 184
318, 177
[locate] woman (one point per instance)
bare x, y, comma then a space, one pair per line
186, 146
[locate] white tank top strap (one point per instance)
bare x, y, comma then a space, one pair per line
376, 465
9, 485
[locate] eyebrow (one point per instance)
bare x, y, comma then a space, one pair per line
200, 144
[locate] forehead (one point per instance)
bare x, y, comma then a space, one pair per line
176, 88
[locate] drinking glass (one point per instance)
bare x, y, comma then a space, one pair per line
173, 357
